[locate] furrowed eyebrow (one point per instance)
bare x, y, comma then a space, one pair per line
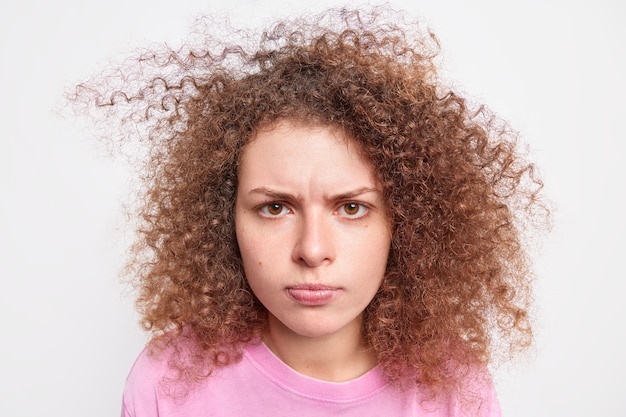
286, 196
273, 193
355, 193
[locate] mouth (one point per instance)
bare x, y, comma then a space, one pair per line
313, 294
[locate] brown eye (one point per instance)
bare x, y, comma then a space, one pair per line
354, 209
274, 209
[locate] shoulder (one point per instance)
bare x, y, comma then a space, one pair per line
149, 366
143, 384
476, 396
155, 386
160, 383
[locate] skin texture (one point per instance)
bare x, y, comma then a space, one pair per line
314, 237
458, 194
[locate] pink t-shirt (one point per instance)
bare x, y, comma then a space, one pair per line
262, 385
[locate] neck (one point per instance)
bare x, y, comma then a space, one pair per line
339, 357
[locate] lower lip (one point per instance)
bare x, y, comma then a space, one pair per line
312, 297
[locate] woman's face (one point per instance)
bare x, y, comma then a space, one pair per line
312, 228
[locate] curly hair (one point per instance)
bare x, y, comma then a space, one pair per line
458, 191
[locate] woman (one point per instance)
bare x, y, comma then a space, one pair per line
326, 229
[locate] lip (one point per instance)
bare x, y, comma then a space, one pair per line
312, 294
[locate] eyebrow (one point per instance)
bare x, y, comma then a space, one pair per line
278, 195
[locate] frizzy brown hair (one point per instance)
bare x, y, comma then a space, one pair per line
457, 191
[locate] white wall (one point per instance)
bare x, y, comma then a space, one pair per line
555, 69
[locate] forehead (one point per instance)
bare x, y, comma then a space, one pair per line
287, 150
287, 133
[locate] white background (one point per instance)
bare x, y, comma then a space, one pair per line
554, 69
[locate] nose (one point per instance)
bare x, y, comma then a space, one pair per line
314, 245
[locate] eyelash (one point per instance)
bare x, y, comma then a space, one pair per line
362, 210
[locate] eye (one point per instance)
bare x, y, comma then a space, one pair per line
354, 210
274, 209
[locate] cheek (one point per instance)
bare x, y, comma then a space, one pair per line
368, 261
381, 256
252, 245
249, 256
375, 248
254, 255
242, 234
